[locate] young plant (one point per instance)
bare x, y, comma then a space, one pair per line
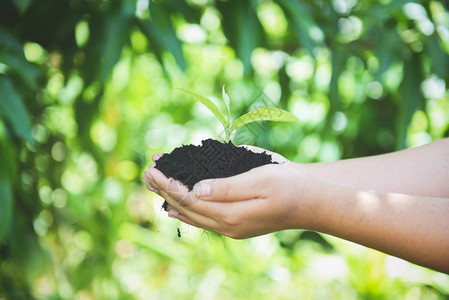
259, 114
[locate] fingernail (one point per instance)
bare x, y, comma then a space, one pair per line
173, 213
202, 189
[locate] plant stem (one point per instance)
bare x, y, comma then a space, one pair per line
228, 134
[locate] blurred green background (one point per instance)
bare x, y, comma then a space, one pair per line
87, 95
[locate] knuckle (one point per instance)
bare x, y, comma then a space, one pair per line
230, 221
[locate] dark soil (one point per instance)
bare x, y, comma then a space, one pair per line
213, 159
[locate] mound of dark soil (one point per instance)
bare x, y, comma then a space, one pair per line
213, 159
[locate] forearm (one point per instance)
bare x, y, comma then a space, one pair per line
418, 171
414, 228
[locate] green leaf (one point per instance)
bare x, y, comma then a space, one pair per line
242, 28
12, 55
186, 9
388, 50
9, 41
411, 98
161, 34
339, 59
5, 204
8, 170
227, 102
264, 114
209, 104
309, 34
439, 64
116, 35
13, 110
22, 5
108, 35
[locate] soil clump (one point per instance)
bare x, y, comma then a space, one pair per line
212, 159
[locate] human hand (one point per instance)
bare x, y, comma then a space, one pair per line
262, 200
365, 209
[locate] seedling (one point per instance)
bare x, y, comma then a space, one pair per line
259, 114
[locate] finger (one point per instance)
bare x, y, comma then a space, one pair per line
171, 212
174, 188
240, 187
149, 181
157, 178
196, 208
188, 221
214, 228
146, 176
156, 156
185, 213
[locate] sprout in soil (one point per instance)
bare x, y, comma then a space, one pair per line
259, 114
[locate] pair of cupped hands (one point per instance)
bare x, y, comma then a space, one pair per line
269, 198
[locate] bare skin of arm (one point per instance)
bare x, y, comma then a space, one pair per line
417, 171
397, 203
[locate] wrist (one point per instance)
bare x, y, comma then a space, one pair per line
309, 199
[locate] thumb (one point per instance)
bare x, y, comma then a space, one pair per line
240, 187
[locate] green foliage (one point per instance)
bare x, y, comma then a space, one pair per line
260, 114
13, 110
5, 204
86, 100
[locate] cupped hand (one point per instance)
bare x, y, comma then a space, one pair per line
260, 201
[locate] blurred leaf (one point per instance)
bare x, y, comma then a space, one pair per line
161, 34
13, 110
439, 62
309, 34
8, 13
22, 4
387, 49
317, 238
9, 41
284, 82
6, 194
446, 131
378, 12
264, 114
191, 15
242, 28
411, 98
27, 72
56, 19
85, 114
116, 34
11, 54
108, 35
339, 59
